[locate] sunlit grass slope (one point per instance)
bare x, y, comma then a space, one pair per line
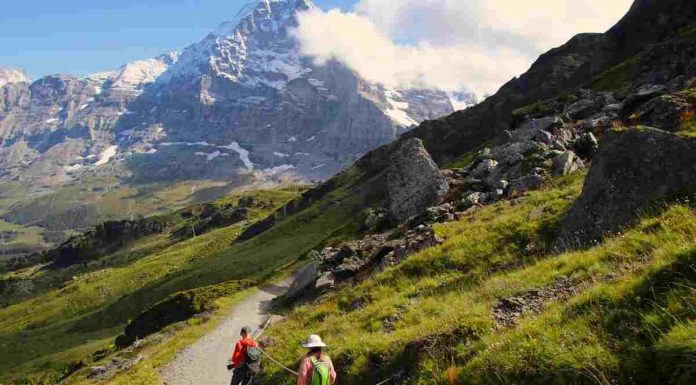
629, 320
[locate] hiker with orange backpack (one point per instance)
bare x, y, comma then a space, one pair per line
316, 367
245, 359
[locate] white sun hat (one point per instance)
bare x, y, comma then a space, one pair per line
314, 341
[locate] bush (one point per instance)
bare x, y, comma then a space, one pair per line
176, 308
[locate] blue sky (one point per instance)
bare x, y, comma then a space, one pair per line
84, 36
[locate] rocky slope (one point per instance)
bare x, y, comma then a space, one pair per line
240, 101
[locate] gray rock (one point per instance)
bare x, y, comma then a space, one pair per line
515, 152
350, 267
564, 134
414, 182
665, 112
97, 371
566, 163
326, 281
544, 137
537, 130
582, 109
643, 94
526, 183
497, 184
633, 169
613, 108
586, 145
484, 168
494, 196
305, 278
470, 200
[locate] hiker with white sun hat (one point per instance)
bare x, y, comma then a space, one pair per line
316, 367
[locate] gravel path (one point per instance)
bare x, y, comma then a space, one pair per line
203, 363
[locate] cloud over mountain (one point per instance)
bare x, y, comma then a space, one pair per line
455, 45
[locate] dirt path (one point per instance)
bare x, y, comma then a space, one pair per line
203, 363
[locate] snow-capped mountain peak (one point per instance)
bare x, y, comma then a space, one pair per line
246, 83
254, 48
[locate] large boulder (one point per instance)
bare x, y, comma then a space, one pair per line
633, 169
414, 181
666, 112
305, 279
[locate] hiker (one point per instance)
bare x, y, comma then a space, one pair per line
316, 367
245, 359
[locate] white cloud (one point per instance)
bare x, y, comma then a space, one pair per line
450, 44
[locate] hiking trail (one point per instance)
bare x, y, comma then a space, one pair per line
203, 363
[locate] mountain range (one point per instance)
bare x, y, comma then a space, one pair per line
241, 101
238, 108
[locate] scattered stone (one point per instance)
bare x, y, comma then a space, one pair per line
543, 137
526, 183
484, 168
326, 281
643, 94
664, 112
97, 371
515, 152
117, 364
582, 109
566, 163
414, 182
470, 200
586, 145
507, 311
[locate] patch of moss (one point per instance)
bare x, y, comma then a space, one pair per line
618, 77
535, 109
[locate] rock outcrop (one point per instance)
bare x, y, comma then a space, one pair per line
414, 181
634, 168
355, 259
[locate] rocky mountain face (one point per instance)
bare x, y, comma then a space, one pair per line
646, 41
242, 101
596, 90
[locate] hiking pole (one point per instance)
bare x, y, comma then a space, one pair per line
258, 333
278, 363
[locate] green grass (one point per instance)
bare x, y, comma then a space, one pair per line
76, 207
54, 326
618, 77
24, 238
631, 320
44, 335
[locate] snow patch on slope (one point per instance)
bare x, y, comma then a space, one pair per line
396, 110
106, 155
243, 154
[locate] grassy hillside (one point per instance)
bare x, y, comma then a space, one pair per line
46, 332
44, 336
495, 305
46, 217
